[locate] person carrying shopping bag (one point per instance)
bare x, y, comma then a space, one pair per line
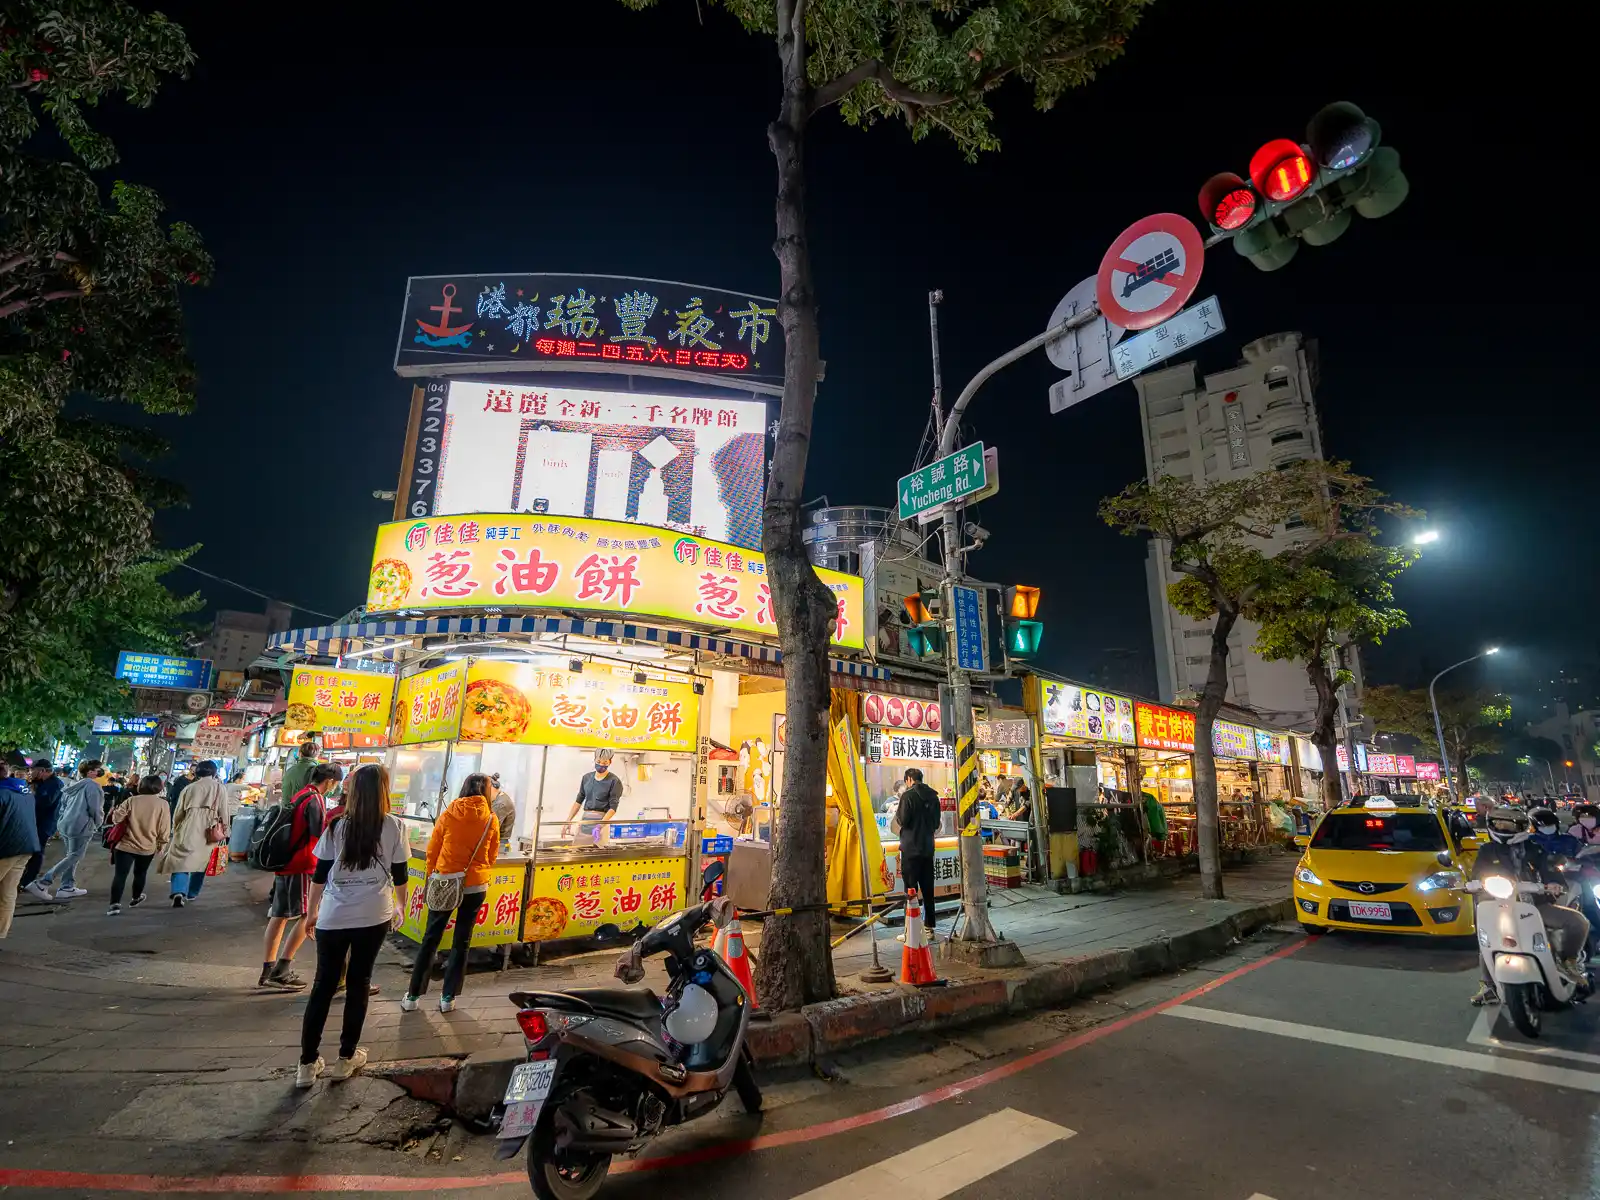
199, 827
358, 894
461, 856
140, 827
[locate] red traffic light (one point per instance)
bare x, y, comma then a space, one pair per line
1227, 201
1280, 170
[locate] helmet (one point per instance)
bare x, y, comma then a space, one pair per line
1542, 816
694, 1017
1579, 811
1508, 826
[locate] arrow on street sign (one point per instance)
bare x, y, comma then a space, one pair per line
944, 481
1168, 339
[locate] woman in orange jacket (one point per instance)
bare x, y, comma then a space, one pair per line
466, 838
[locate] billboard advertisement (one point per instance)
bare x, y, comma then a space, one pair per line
603, 707
513, 561
686, 463
1231, 740
462, 324
1071, 711
1164, 728
325, 700
427, 705
163, 671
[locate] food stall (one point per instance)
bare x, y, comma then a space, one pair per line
1165, 739
1085, 743
1242, 814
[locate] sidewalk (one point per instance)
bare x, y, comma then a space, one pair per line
162, 995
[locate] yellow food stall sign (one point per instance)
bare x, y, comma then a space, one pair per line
522, 560
324, 700
427, 706
499, 920
602, 706
573, 900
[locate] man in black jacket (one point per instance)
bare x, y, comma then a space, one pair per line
917, 819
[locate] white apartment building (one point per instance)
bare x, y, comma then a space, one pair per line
1257, 416
1577, 732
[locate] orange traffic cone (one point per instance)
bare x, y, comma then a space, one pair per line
916, 960
733, 953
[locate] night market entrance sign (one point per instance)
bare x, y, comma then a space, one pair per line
467, 324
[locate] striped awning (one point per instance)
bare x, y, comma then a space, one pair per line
333, 640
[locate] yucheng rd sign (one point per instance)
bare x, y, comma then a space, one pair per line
456, 324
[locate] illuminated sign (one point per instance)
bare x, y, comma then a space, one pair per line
163, 670
686, 463
604, 323
883, 746
323, 700
127, 726
1233, 741
1343, 753
1164, 728
1428, 770
601, 706
1072, 711
353, 741
574, 900
1272, 747
427, 705
899, 712
511, 561
499, 920
1390, 764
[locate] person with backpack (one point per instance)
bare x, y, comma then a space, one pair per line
917, 821
288, 847
141, 826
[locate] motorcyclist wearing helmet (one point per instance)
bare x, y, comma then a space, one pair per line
1586, 824
1547, 832
1513, 853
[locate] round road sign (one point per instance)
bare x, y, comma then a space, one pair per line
1152, 268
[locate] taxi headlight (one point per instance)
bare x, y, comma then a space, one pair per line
1305, 874
1441, 881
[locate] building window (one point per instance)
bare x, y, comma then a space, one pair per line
1287, 435
1287, 463
1277, 379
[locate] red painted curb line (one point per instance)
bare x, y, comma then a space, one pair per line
275, 1184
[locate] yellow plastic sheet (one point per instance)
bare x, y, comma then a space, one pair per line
853, 802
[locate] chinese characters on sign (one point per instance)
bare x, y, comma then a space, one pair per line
1233, 741
1072, 711
1272, 747
602, 706
499, 920
1002, 734
325, 700
638, 326
1390, 764
1233, 420
622, 570
1172, 337
127, 726
574, 900
427, 706
1164, 728
883, 746
1428, 770
163, 671
944, 481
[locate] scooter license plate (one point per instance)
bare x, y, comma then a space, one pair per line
1369, 911
525, 1096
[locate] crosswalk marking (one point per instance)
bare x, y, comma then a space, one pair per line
949, 1163
1440, 1055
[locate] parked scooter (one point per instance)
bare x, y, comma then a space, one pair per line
609, 1069
1516, 950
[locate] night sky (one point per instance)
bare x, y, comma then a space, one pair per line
326, 162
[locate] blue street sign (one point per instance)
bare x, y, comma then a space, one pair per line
136, 726
969, 629
164, 671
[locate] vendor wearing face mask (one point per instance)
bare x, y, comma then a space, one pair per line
1587, 828
599, 793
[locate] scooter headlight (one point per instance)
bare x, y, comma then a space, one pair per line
1500, 887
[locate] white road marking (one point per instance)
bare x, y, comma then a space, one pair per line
1482, 1035
1442, 1056
947, 1164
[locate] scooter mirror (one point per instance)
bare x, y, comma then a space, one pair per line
607, 933
1443, 858
714, 871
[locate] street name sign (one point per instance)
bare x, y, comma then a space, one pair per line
1150, 271
1171, 337
944, 481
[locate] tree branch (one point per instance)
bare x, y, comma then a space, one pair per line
836, 90
16, 306
874, 69
990, 78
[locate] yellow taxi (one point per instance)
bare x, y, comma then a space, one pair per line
1381, 864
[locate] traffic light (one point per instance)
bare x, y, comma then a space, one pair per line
924, 625
1305, 192
1023, 631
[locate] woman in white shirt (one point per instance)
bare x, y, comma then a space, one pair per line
358, 894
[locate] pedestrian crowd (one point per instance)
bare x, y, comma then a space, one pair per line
339, 860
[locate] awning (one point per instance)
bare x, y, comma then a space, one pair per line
321, 639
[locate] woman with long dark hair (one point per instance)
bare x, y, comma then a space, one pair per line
465, 842
358, 894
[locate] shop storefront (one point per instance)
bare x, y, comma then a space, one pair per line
1165, 739
1086, 744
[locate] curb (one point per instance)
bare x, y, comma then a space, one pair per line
470, 1086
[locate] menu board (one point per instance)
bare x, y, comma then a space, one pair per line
1272, 747
1164, 728
1233, 741
1072, 711
899, 712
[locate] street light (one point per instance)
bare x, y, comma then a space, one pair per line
1438, 726
1425, 537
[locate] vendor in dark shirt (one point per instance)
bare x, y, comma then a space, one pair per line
599, 793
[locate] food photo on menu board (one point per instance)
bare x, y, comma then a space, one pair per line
900, 712
1072, 711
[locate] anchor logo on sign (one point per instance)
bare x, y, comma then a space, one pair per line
444, 333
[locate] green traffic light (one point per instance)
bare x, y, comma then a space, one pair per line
1023, 638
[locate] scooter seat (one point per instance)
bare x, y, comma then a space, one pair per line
638, 1003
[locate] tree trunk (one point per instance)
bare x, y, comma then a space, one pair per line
1205, 761
796, 966
1323, 736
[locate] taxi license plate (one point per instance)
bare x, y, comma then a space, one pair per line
525, 1095
1367, 911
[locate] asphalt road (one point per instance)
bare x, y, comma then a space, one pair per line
1348, 1066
